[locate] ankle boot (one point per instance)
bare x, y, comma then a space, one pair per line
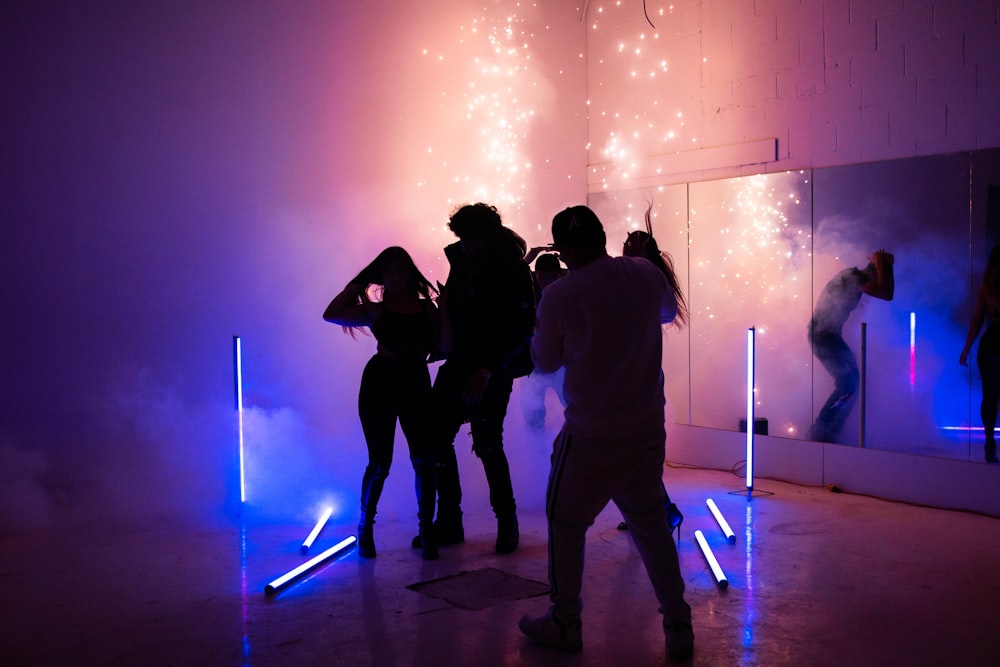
426, 499
366, 539
991, 452
371, 490
508, 535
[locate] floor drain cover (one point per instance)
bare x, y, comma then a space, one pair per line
479, 589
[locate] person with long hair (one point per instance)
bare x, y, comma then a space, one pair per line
987, 310
395, 384
642, 244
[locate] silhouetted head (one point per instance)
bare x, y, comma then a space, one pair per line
548, 269
640, 244
578, 236
476, 226
395, 270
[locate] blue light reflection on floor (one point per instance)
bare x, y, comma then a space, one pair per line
244, 602
749, 609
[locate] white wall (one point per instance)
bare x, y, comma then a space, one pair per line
828, 82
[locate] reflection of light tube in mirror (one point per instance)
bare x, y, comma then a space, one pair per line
750, 407
307, 544
721, 520
720, 576
238, 363
861, 394
292, 575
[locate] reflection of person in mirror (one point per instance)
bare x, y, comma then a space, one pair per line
839, 298
534, 387
988, 356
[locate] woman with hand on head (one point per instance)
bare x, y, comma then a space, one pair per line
642, 244
395, 383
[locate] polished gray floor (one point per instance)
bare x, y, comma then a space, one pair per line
815, 578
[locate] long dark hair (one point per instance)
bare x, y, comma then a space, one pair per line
371, 275
663, 261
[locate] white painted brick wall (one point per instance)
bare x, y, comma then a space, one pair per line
835, 81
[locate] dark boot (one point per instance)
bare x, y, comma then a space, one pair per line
501, 497
426, 497
508, 534
991, 452
371, 490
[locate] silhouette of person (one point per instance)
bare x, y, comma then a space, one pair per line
534, 386
988, 356
491, 311
642, 244
602, 323
839, 298
395, 383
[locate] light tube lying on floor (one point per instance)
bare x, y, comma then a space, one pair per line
288, 577
316, 530
723, 524
720, 576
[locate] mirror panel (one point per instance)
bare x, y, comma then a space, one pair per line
750, 267
913, 387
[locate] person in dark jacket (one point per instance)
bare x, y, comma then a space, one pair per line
490, 315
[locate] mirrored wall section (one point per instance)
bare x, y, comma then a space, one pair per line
750, 267
912, 394
859, 281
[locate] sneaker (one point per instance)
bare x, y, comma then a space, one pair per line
680, 639
547, 631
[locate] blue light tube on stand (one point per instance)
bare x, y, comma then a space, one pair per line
238, 363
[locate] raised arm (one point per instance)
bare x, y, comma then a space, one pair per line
883, 285
347, 310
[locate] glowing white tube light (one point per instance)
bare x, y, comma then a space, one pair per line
913, 349
238, 360
316, 530
291, 576
723, 524
720, 576
750, 407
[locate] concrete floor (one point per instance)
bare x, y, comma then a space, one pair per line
815, 578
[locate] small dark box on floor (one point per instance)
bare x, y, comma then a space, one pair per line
759, 426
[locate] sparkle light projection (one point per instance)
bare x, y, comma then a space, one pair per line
498, 96
317, 529
644, 117
721, 520
290, 576
750, 252
713, 564
238, 366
